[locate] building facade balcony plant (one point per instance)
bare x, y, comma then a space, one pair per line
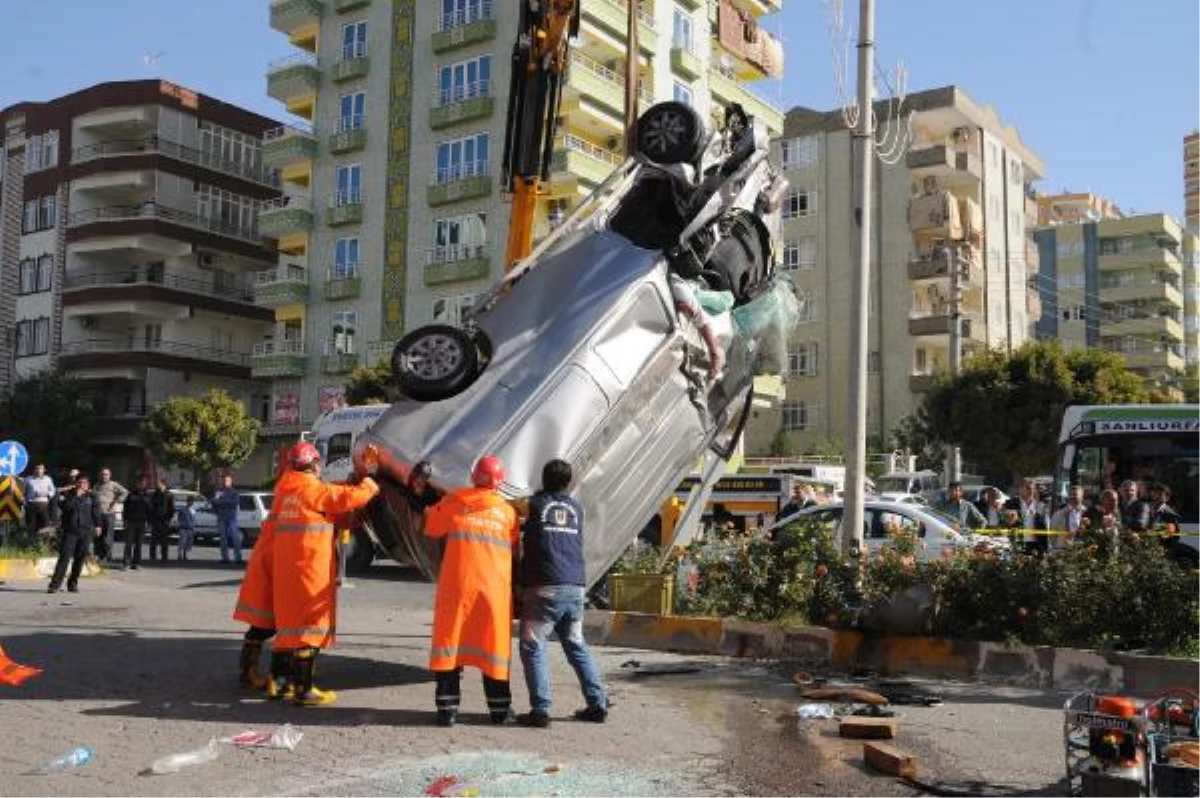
471, 24
286, 358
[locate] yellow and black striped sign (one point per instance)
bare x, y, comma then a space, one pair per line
12, 498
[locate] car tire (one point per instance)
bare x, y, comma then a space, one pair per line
670, 133
435, 362
360, 552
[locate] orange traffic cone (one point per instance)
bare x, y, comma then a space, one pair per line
14, 673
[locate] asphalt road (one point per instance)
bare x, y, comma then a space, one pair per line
143, 664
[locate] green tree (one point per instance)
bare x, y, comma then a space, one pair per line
53, 415
782, 444
201, 433
370, 384
911, 434
1004, 410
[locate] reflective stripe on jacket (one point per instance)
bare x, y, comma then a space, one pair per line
472, 619
303, 564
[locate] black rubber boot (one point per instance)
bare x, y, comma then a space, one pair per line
279, 680
248, 675
304, 669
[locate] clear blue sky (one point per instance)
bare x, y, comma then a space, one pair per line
1102, 90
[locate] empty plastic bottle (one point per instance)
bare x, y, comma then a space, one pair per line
68, 761
173, 763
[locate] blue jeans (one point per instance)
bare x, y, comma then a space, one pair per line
229, 535
558, 609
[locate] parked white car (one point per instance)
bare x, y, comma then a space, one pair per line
181, 496
253, 509
937, 533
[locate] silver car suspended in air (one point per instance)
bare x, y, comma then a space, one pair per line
594, 349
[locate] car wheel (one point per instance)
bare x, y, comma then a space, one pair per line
435, 362
360, 552
669, 133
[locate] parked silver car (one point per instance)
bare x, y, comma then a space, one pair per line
594, 348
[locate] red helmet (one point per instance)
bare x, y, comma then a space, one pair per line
303, 454
488, 472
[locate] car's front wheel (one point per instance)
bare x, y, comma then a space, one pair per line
670, 132
435, 362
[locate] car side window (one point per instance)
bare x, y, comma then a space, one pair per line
246, 503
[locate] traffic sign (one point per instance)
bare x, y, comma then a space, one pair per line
13, 459
11, 499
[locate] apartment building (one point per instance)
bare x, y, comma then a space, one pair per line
1120, 284
129, 237
393, 214
1067, 207
963, 183
1191, 181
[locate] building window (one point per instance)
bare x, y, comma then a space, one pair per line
681, 93
45, 272
349, 185
29, 220
806, 307
341, 339
28, 276
230, 150
681, 29
799, 203
458, 237
33, 337
462, 158
802, 361
346, 258
41, 152
226, 212
800, 253
799, 152
49, 214
797, 416
353, 108
465, 80
464, 12
354, 40
452, 309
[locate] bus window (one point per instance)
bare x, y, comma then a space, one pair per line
337, 447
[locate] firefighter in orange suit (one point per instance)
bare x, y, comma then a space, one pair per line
304, 568
254, 607
472, 620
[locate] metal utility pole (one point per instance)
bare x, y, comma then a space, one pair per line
633, 57
856, 422
953, 459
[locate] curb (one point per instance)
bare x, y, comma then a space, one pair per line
41, 568
890, 655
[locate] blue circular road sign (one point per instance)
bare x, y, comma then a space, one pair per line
13, 459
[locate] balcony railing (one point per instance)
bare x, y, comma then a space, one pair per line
346, 196
287, 273
284, 131
576, 144
462, 171
172, 149
454, 253
156, 210
197, 283
344, 271
458, 94
617, 79
351, 122
177, 348
468, 14
288, 346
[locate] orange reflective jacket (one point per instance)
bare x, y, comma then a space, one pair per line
255, 601
472, 617
304, 568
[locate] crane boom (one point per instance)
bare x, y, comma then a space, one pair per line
539, 65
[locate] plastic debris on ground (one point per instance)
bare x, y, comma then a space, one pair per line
814, 711
14, 673
285, 737
68, 761
173, 763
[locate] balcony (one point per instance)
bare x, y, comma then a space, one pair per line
726, 89
153, 284
294, 80
342, 6
1135, 290
1157, 327
589, 79
467, 26
288, 145
285, 285
580, 160
335, 361
153, 145
1151, 257
613, 17
350, 136
1146, 356
285, 215
935, 267
343, 282
288, 16
945, 162
271, 359
150, 209
686, 62
353, 63
460, 182
457, 263
345, 207
936, 322
101, 353
461, 104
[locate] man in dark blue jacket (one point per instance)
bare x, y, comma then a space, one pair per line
81, 523
553, 581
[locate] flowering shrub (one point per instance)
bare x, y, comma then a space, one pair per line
1125, 594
